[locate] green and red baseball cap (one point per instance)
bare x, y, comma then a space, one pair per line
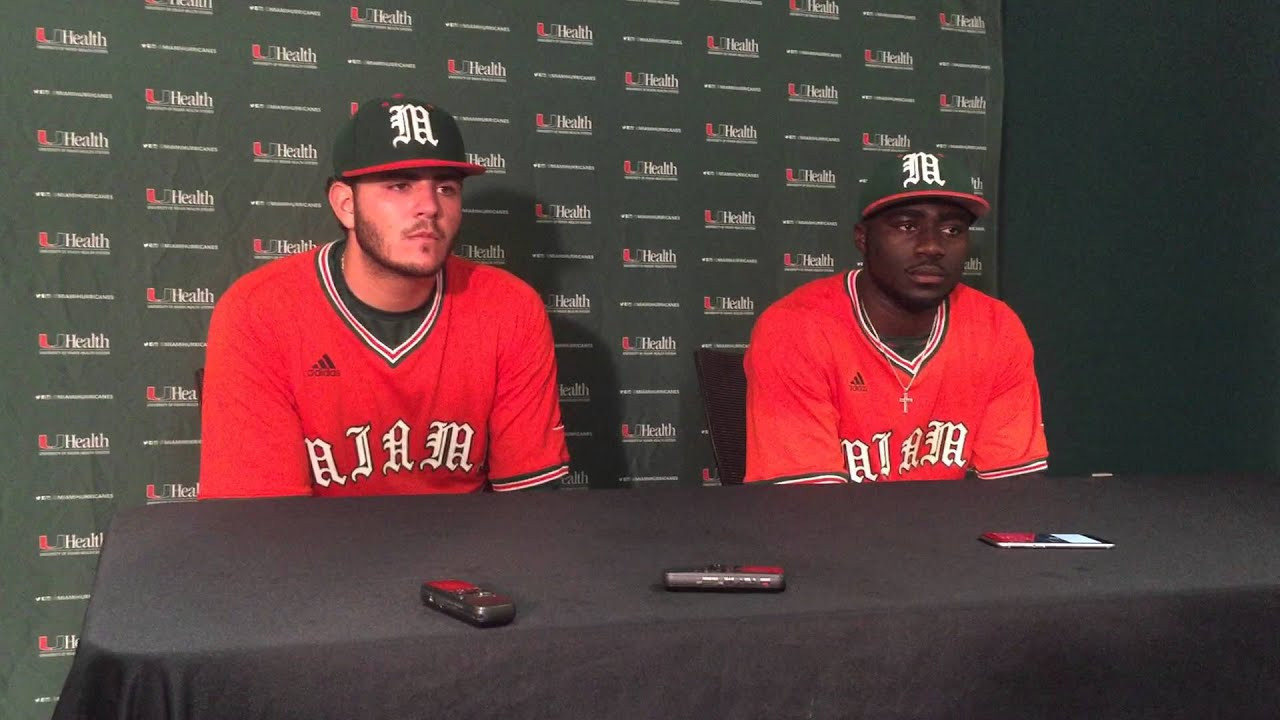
399, 132
913, 176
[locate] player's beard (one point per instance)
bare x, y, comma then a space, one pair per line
377, 249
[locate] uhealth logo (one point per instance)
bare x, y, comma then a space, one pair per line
808, 262
733, 47
821, 9
966, 104
557, 124
492, 255
179, 101
888, 60
578, 392
555, 214
565, 34
377, 19
493, 163
646, 345
272, 248
171, 396
652, 82
736, 134
192, 7
90, 41
279, 56
70, 544
73, 344
973, 267
72, 243
885, 142
562, 304
955, 22
180, 298
644, 258
69, 141
815, 94
57, 645
648, 432
729, 220
806, 178
171, 493
285, 154
492, 71
647, 170
722, 305
187, 200
73, 444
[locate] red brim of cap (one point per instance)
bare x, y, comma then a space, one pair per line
464, 168
973, 203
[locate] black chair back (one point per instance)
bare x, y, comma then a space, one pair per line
724, 398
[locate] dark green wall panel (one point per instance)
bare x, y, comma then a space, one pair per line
1140, 229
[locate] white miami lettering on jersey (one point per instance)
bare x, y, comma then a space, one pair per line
364, 459
857, 457
448, 446
396, 444
943, 444
921, 166
323, 468
412, 122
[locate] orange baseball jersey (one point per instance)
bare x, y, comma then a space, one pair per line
826, 399
299, 398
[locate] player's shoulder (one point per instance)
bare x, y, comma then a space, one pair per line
973, 300
972, 306
279, 281
816, 302
484, 284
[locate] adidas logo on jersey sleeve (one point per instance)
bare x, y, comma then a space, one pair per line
324, 367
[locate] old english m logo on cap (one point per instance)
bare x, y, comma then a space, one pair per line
411, 122
921, 166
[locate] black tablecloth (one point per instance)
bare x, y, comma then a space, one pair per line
309, 608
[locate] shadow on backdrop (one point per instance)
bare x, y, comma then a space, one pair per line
583, 356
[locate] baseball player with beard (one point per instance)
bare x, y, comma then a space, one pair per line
381, 363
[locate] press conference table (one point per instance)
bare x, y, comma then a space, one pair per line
309, 608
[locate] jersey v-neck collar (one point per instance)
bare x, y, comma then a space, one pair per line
913, 366
392, 355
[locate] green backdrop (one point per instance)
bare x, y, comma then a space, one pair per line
1139, 246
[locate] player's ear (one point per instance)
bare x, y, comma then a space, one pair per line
860, 238
342, 202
